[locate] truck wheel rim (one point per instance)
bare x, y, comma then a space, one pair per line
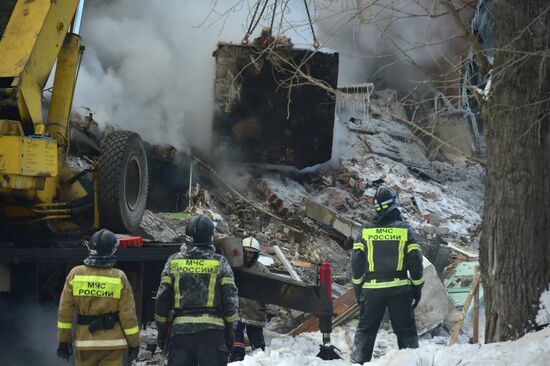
133, 183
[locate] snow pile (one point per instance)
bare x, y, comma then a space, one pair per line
543, 316
533, 350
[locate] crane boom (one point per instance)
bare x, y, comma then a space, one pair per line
30, 44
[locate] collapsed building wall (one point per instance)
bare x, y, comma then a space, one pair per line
266, 112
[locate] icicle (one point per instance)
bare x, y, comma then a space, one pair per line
370, 89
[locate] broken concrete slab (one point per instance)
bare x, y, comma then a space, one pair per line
346, 226
156, 227
319, 212
466, 251
329, 217
442, 230
436, 306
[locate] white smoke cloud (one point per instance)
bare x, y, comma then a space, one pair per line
148, 65
395, 41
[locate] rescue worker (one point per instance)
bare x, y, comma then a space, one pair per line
252, 314
382, 256
198, 296
106, 322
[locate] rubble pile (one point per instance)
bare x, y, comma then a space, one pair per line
312, 214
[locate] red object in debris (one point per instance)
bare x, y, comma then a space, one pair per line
130, 241
325, 278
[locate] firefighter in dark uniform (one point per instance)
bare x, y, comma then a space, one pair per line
106, 322
387, 273
198, 297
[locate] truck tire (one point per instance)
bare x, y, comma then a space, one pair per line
123, 182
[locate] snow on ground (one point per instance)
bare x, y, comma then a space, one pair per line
543, 316
284, 350
532, 350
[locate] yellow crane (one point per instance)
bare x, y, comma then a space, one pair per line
36, 184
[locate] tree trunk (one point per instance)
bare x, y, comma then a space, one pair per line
515, 244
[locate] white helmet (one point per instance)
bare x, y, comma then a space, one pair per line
251, 244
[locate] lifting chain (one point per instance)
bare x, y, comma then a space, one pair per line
273, 17
267, 40
254, 22
256, 19
316, 43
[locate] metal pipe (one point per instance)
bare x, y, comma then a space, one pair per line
52, 211
78, 18
52, 217
51, 204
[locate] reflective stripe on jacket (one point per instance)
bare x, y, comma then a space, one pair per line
96, 291
198, 286
386, 256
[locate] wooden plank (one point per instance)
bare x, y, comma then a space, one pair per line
460, 322
475, 335
302, 264
351, 312
340, 306
468, 252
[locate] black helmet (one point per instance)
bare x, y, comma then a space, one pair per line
103, 244
101, 249
201, 230
385, 199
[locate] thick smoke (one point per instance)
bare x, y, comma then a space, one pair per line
396, 42
28, 333
148, 65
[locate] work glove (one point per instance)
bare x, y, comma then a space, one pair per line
64, 350
416, 295
133, 353
348, 243
229, 334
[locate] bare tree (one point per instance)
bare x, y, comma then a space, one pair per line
515, 249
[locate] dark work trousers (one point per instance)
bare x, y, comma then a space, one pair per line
373, 304
206, 348
255, 337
